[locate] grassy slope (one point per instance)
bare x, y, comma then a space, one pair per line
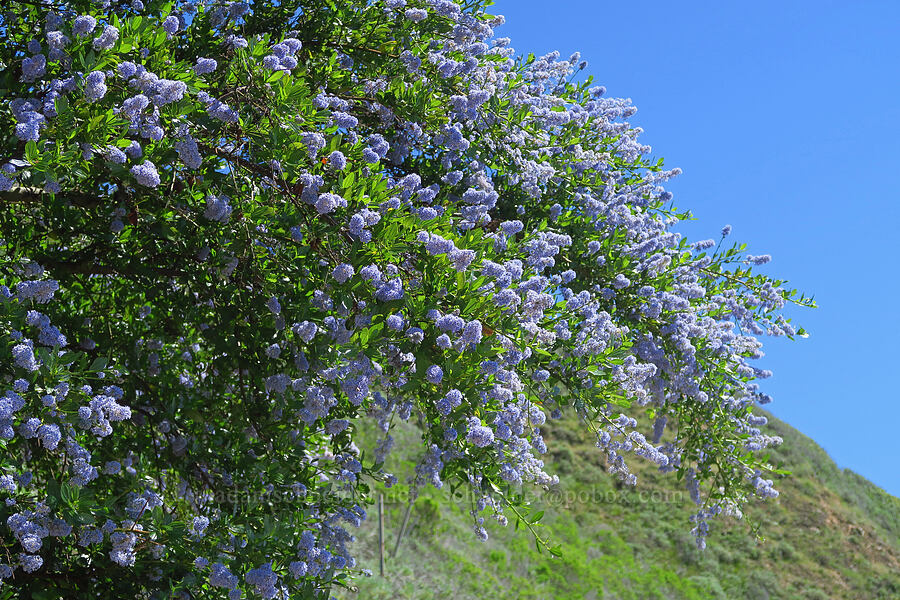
831, 534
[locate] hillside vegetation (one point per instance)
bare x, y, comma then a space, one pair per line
830, 534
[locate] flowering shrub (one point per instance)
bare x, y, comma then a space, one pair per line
231, 231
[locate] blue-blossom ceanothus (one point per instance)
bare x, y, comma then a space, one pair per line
343, 272
337, 160
146, 174
217, 209
107, 39
204, 66
434, 374
34, 67
320, 249
83, 25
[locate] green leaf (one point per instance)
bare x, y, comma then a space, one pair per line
32, 153
62, 104
69, 494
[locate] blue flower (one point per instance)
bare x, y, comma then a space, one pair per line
107, 39
434, 374
336, 426
170, 25
23, 357
343, 272
370, 156
198, 526
395, 322
217, 209
471, 333
146, 174
337, 160
50, 436
328, 202
344, 120
451, 323
95, 86
205, 65
83, 25
479, 435
314, 142
34, 67
30, 563
416, 14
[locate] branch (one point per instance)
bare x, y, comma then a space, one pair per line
90, 266
291, 191
33, 195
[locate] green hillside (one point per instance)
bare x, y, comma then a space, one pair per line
831, 534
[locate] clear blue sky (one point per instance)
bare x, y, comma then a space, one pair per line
785, 117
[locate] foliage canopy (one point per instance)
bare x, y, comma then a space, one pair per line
231, 230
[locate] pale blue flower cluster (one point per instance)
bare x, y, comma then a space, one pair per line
204, 66
217, 209
283, 56
146, 174
343, 272
83, 25
107, 39
477, 434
